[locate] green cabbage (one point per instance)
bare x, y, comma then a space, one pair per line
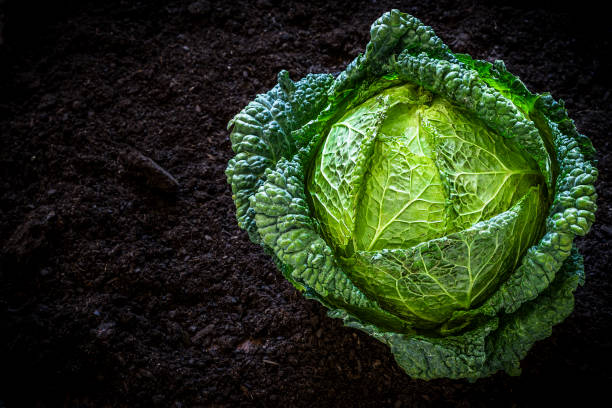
424, 197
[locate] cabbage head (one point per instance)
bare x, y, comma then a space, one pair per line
424, 197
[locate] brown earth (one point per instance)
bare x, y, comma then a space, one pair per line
125, 280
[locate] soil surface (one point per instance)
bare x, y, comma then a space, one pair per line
125, 279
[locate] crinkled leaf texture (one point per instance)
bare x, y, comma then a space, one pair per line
451, 241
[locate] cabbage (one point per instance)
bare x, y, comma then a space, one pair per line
424, 197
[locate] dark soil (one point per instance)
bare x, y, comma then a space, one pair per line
125, 280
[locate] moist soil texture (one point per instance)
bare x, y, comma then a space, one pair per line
125, 279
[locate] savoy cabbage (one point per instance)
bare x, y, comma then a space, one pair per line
424, 197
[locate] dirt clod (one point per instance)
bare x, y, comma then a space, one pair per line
155, 176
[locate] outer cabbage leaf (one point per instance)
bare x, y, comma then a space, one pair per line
261, 136
493, 345
389, 35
